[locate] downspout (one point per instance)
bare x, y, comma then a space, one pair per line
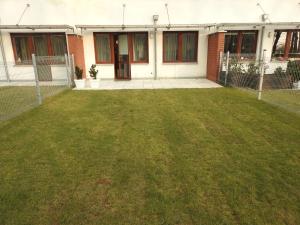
155, 19
67, 41
261, 43
4, 57
155, 54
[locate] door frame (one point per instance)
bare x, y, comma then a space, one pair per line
129, 42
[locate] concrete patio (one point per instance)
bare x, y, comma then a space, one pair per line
153, 84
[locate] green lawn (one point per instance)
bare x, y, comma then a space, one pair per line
288, 99
210, 156
17, 99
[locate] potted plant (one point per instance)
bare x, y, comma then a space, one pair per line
79, 82
93, 74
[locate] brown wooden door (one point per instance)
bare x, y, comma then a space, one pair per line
122, 61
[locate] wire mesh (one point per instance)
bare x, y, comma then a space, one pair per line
281, 84
240, 71
280, 79
22, 89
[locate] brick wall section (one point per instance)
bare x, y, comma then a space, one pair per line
215, 46
75, 43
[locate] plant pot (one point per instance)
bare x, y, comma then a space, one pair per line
80, 83
94, 83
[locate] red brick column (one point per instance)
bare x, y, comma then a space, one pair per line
215, 46
75, 43
287, 45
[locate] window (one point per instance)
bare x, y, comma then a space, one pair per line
22, 49
249, 43
295, 45
231, 42
278, 49
170, 47
140, 47
189, 47
240, 42
103, 47
58, 45
286, 44
180, 46
41, 44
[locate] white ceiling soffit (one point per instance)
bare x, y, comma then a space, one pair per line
37, 27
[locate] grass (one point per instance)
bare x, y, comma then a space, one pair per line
211, 156
288, 99
16, 99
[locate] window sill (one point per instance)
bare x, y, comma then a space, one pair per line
22, 65
30, 65
180, 63
284, 60
279, 60
139, 63
104, 64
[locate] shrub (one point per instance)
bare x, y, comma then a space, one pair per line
252, 69
293, 69
93, 72
279, 72
78, 73
241, 75
281, 79
236, 67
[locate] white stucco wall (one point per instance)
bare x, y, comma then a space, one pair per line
146, 70
139, 12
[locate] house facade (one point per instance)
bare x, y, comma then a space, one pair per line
149, 40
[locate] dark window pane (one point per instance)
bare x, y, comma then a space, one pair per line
295, 45
279, 44
22, 49
103, 48
249, 43
171, 47
59, 46
40, 45
189, 47
231, 42
140, 47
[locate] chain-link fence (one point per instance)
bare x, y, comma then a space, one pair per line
24, 86
276, 82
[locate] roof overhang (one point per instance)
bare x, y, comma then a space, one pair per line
217, 26
36, 27
149, 26
270, 24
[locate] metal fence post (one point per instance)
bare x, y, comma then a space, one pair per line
73, 67
261, 77
227, 68
68, 73
220, 66
4, 57
37, 84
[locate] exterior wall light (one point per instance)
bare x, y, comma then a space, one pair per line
155, 18
264, 17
